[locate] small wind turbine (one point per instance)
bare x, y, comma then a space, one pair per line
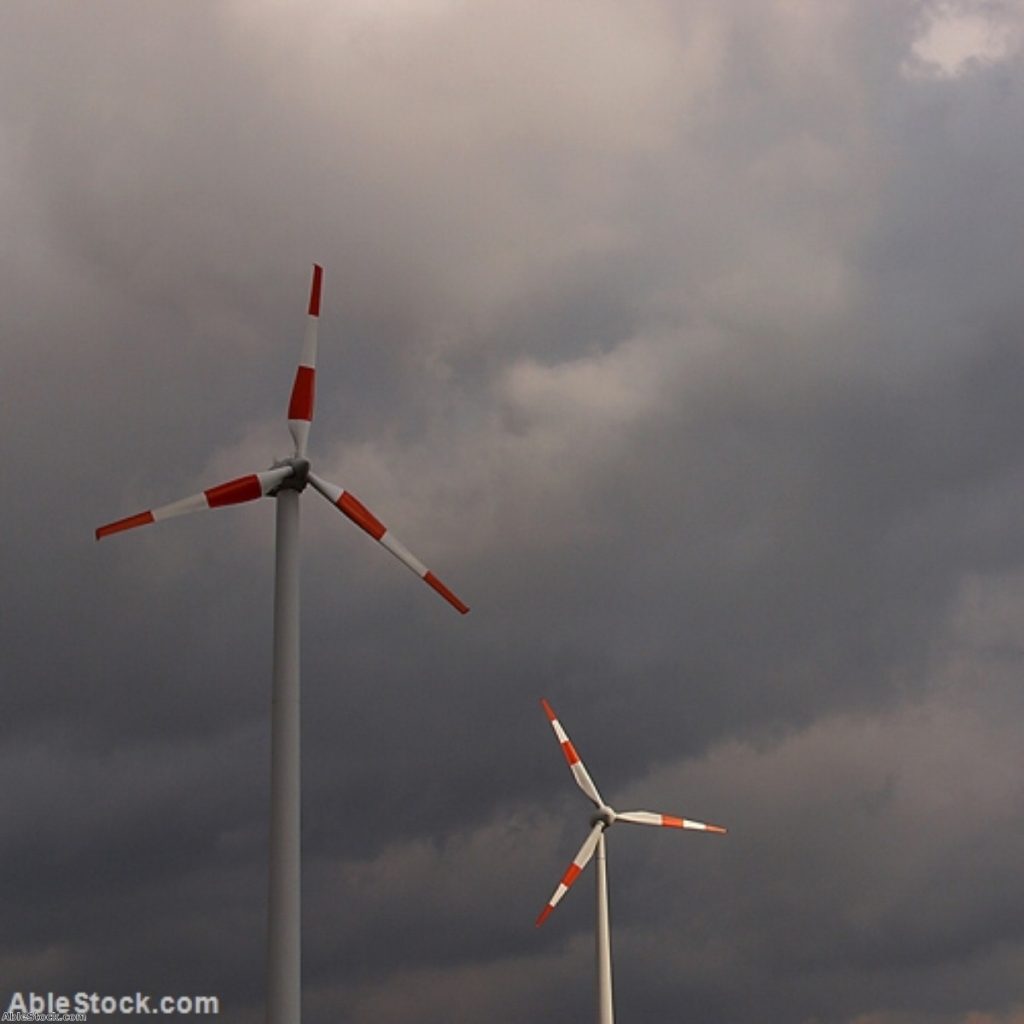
600, 821
285, 481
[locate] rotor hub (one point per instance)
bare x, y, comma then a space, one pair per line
299, 475
603, 814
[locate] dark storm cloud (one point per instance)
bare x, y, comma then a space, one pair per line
682, 340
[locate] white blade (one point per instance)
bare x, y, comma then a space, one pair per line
579, 862
576, 766
234, 492
300, 405
366, 520
666, 821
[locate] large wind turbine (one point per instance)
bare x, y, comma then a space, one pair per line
285, 481
600, 822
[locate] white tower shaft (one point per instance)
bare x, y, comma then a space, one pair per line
605, 1005
284, 954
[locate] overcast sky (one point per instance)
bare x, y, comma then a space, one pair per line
684, 341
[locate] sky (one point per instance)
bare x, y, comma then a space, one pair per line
684, 341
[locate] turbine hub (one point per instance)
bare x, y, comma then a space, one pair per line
299, 477
603, 813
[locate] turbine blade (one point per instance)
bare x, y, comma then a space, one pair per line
366, 520
300, 405
666, 821
579, 862
245, 488
576, 766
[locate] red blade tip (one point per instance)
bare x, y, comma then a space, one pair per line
548, 710
457, 604
543, 916
142, 519
314, 291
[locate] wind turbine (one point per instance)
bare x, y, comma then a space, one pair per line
285, 481
600, 822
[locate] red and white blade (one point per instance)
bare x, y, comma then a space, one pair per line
579, 862
576, 766
300, 405
666, 821
234, 492
348, 503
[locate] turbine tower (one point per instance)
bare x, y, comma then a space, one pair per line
600, 822
285, 481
